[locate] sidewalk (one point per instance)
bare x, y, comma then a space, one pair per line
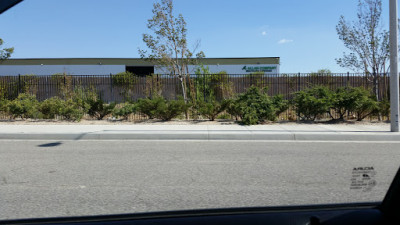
278, 131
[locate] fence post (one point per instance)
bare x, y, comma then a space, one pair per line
298, 89
111, 88
158, 85
19, 84
152, 85
298, 82
204, 86
348, 78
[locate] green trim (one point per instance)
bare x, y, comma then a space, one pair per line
134, 61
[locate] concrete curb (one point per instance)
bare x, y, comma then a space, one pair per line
208, 135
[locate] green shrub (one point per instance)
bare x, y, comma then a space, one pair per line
51, 107
24, 106
161, 108
3, 91
125, 110
168, 110
3, 105
253, 106
357, 100
98, 109
72, 111
365, 103
231, 108
78, 102
224, 116
82, 97
149, 107
211, 109
384, 108
280, 104
250, 115
313, 102
343, 101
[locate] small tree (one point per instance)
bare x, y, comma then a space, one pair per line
168, 47
367, 41
5, 53
201, 84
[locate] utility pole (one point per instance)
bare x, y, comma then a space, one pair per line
394, 69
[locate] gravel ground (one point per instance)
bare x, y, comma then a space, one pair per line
173, 122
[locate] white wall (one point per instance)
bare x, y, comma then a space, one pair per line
230, 69
14, 70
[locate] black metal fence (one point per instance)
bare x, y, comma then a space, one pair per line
119, 88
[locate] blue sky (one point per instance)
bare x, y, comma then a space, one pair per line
302, 33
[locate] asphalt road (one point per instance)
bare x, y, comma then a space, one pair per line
70, 178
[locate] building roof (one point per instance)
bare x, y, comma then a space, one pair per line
133, 61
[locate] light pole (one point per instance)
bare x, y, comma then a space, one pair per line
394, 69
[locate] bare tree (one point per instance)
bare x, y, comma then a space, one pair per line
367, 41
168, 44
5, 53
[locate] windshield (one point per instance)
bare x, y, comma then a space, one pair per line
112, 108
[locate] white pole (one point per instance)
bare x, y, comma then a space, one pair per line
394, 69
